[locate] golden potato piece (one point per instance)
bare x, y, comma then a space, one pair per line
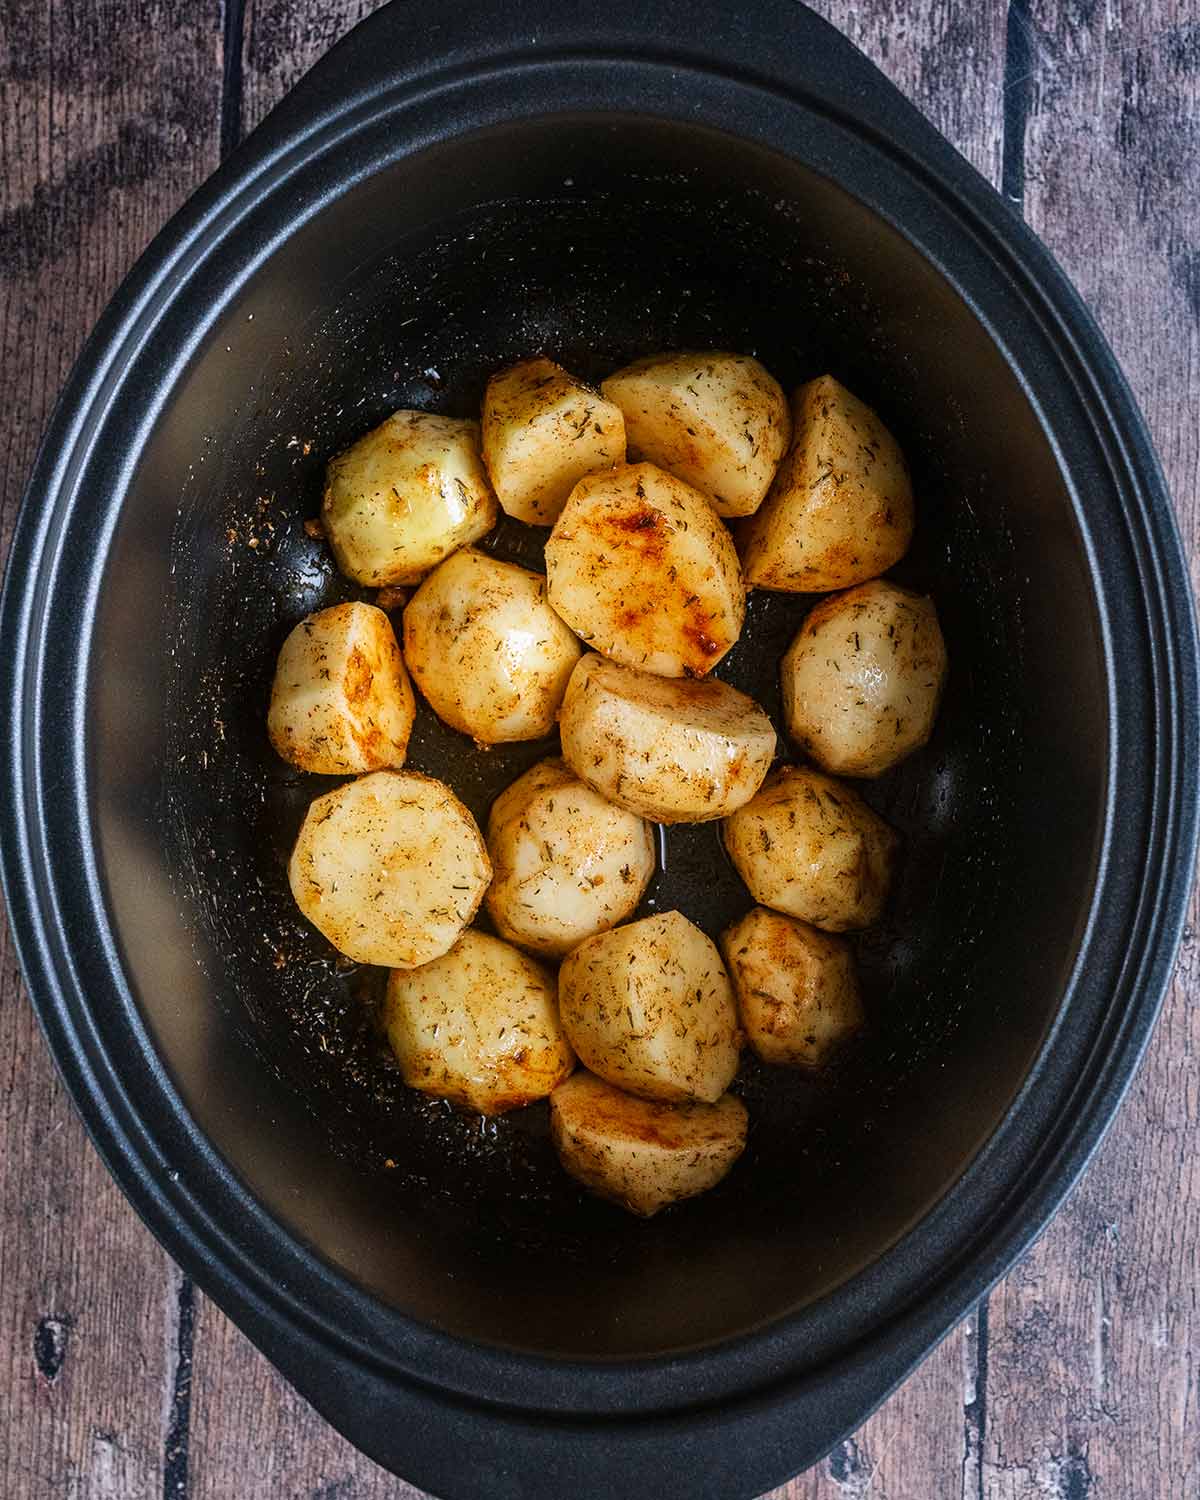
405, 496
568, 862
810, 846
675, 752
718, 421
642, 1154
478, 1026
543, 430
797, 988
649, 1008
639, 565
390, 868
841, 508
487, 651
863, 678
341, 700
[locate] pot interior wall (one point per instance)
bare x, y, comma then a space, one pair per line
595, 241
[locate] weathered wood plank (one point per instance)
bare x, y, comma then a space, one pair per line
282, 41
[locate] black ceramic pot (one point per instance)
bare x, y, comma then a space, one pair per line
451, 188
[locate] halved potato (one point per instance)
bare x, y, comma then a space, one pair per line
341, 700
649, 1008
797, 988
719, 421
810, 846
863, 678
543, 430
567, 862
486, 649
639, 1153
841, 508
639, 565
479, 1026
405, 496
675, 752
390, 868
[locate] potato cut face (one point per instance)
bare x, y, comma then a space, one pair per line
639, 1153
341, 701
543, 430
486, 650
840, 510
640, 567
568, 863
863, 679
390, 868
809, 846
718, 421
673, 751
478, 1026
405, 496
797, 988
649, 1008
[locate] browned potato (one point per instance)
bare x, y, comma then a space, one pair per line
341, 700
568, 862
718, 421
650, 1009
841, 508
543, 430
640, 1153
810, 846
405, 496
390, 868
675, 752
797, 989
489, 654
478, 1026
639, 565
863, 678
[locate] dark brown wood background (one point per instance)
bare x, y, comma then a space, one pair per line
1080, 1375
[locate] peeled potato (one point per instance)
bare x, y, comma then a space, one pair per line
341, 700
811, 847
568, 862
841, 508
543, 430
405, 496
797, 989
390, 868
486, 650
675, 752
718, 421
479, 1026
639, 565
863, 678
650, 1009
640, 1154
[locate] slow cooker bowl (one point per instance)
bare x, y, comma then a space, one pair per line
418, 213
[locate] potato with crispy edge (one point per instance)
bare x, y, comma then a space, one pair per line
719, 421
543, 430
390, 868
675, 752
649, 1008
797, 988
405, 496
478, 1026
810, 846
341, 701
840, 510
486, 650
640, 567
863, 678
568, 863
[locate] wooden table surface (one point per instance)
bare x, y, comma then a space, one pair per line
1080, 1375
